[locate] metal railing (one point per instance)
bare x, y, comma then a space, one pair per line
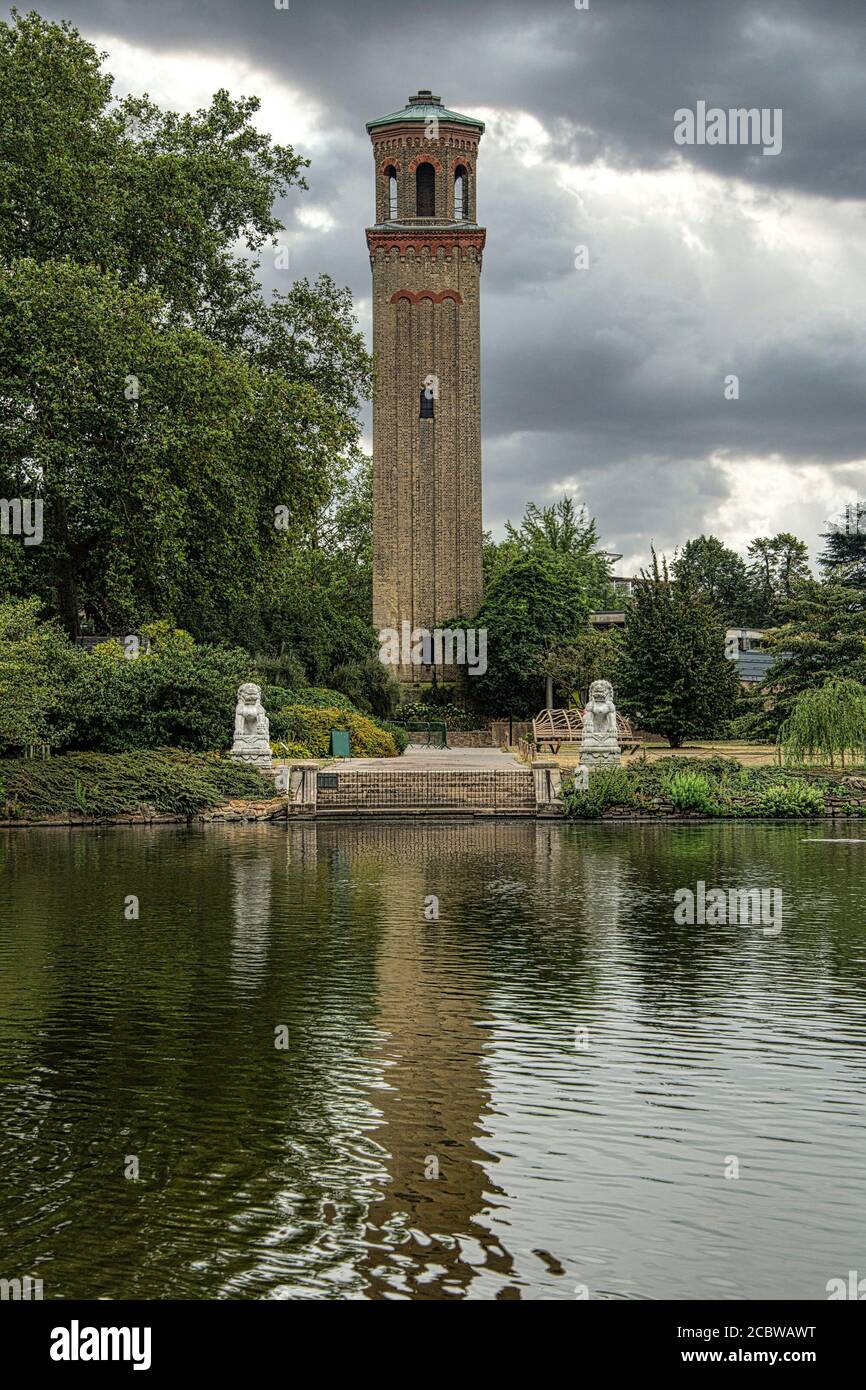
435, 733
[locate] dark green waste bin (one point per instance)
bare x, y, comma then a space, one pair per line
340, 744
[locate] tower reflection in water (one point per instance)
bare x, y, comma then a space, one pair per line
429, 1232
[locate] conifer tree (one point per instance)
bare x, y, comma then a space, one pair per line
674, 676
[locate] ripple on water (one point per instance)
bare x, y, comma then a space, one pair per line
543, 1089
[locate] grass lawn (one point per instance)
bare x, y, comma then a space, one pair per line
749, 754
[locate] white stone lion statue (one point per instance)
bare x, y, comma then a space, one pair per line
599, 745
250, 717
252, 743
600, 713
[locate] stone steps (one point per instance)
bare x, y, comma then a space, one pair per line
417, 791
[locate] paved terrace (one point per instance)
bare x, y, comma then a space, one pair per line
423, 759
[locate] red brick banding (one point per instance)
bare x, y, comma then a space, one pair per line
415, 295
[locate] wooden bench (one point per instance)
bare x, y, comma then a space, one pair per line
555, 727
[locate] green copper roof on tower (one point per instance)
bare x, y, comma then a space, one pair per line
424, 107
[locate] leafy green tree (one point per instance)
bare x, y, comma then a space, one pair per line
824, 639
161, 199
674, 676
319, 616
563, 527
185, 437
489, 557
538, 599
573, 666
708, 567
843, 559
310, 623
162, 460
562, 530
309, 336
779, 568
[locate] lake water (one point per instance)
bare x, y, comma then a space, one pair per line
537, 1094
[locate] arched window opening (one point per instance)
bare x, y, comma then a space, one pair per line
425, 191
461, 193
391, 176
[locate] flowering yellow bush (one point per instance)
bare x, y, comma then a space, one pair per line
311, 727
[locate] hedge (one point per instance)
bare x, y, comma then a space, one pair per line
276, 697
398, 733
102, 784
178, 700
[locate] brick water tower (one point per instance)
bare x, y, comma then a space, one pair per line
425, 255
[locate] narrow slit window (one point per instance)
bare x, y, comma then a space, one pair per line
391, 175
461, 193
425, 191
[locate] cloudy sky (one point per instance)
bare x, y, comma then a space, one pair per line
704, 260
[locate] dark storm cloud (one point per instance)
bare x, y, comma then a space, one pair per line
616, 72
612, 378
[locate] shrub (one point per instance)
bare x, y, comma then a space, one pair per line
370, 686
275, 699
652, 780
99, 784
311, 727
715, 766
182, 699
607, 787
790, 799
688, 790
37, 661
399, 735
288, 751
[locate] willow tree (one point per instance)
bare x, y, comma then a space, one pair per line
826, 723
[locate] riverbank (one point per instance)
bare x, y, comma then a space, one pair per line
232, 812
80, 788
714, 788
257, 814
173, 787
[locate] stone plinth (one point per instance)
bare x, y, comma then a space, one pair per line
592, 757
